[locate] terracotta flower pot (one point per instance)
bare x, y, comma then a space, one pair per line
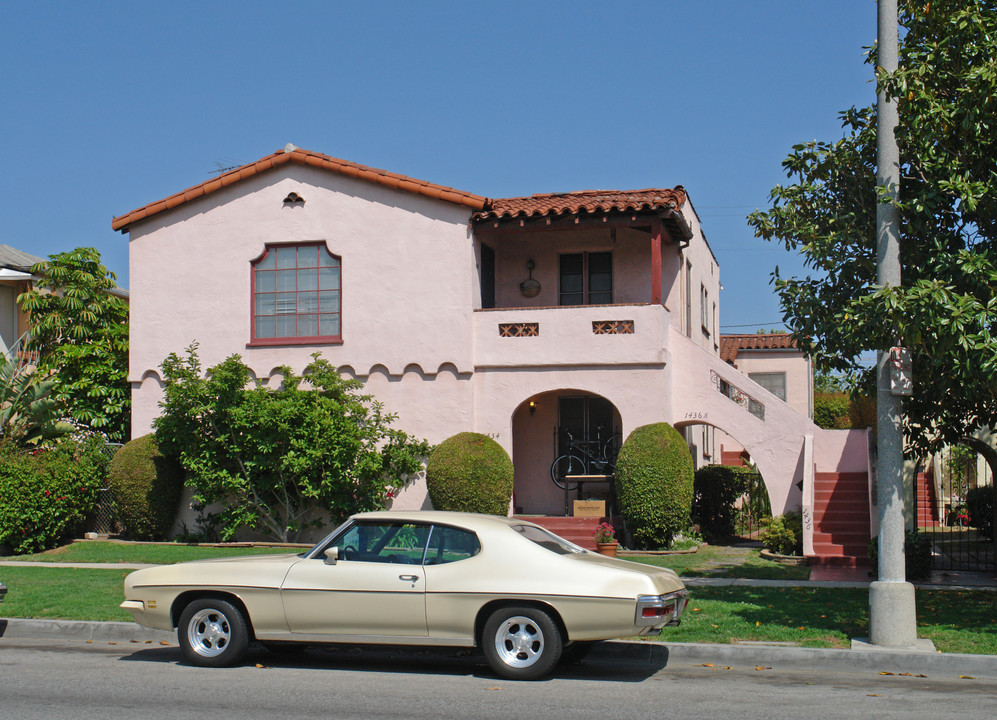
608, 548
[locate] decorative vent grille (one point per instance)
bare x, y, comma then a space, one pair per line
613, 327
519, 329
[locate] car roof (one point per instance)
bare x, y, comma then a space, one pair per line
471, 521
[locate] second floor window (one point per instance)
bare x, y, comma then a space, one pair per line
586, 279
774, 382
296, 295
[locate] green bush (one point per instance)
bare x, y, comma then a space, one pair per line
980, 503
470, 472
783, 535
146, 487
654, 484
46, 494
715, 490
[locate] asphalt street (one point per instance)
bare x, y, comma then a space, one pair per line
58, 678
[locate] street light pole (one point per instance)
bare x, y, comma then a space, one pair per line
892, 614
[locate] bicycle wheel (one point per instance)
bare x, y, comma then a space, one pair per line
564, 466
611, 449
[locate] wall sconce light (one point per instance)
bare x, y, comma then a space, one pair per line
533, 406
530, 288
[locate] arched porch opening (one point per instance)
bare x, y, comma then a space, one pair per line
711, 445
553, 423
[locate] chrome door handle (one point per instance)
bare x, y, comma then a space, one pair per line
409, 578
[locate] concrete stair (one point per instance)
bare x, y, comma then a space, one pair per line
578, 530
841, 520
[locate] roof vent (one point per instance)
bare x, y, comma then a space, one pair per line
294, 199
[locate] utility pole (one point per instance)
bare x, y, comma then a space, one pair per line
892, 614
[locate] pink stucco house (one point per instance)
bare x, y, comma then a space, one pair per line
593, 311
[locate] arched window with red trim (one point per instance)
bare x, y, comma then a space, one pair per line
296, 296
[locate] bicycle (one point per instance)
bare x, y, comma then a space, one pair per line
580, 459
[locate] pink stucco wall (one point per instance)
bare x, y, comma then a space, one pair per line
415, 333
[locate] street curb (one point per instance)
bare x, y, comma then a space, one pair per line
627, 652
81, 630
737, 656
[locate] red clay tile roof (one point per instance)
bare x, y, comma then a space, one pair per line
731, 344
303, 157
585, 201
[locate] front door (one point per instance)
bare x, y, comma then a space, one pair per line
377, 587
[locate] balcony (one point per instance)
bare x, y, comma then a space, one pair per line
633, 334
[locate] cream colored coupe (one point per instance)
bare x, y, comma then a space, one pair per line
521, 593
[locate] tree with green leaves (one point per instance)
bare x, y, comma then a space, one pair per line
945, 311
276, 458
79, 328
29, 415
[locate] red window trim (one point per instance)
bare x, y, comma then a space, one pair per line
280, 341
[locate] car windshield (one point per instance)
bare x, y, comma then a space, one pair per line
548, 540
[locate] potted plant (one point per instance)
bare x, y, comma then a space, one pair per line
605, 540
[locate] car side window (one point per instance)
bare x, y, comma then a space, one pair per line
448, 544
380, 542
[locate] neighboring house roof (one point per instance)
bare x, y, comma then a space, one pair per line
731, 344
291, 154
589, 201
11, 257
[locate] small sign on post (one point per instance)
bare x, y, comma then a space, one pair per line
901, 382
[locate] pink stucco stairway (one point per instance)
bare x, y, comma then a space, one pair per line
841, 519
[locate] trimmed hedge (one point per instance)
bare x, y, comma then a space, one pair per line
654, 485
146, 487
470, 472
715, 490
46, 494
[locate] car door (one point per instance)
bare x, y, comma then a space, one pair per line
376, 587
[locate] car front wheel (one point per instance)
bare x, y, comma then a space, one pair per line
212, 633
521, 643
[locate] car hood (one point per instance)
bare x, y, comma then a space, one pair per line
251, 571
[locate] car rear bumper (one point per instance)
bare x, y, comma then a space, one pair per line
656, 611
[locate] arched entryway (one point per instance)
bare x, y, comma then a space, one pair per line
711, 445
549, 424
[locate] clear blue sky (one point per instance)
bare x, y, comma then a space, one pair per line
107, 106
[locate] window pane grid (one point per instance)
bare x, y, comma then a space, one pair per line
296, 293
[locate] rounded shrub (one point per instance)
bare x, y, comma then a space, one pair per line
47, 493
654, 482
146, 487
470, 472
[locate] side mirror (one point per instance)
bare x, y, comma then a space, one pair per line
331, 555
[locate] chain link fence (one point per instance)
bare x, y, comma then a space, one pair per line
104, 518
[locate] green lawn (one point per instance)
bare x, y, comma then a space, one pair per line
726, 562
957, 621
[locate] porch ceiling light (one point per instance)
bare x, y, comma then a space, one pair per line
530, 288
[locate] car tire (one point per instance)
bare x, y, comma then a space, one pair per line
212, 633
521, 643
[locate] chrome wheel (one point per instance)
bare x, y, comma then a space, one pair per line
213, 633
521, 643
209, 633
